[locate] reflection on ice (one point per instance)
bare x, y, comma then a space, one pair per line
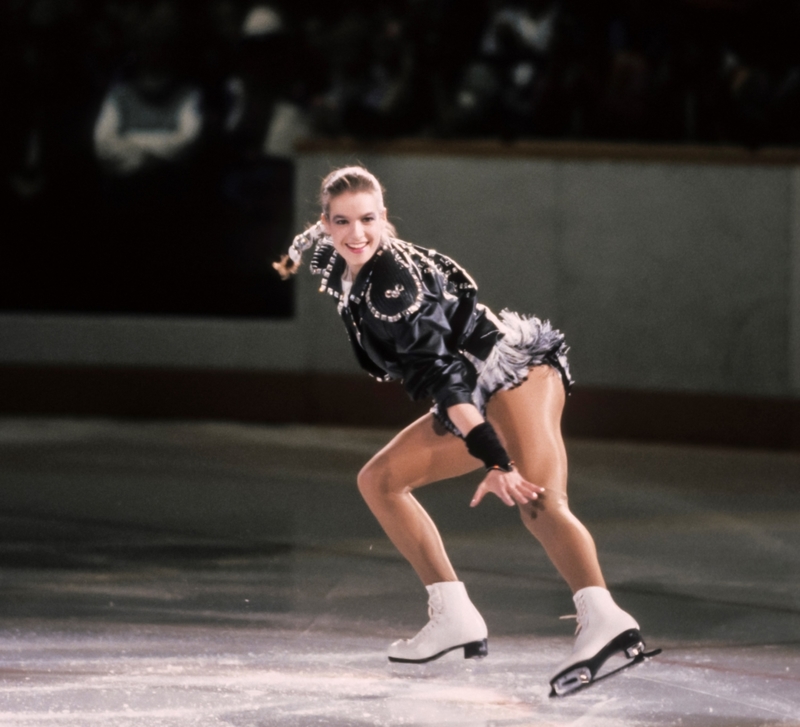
277, 607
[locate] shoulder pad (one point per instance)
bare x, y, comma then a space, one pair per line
458, 280
395, 288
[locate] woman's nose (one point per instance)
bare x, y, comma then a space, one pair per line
358, 231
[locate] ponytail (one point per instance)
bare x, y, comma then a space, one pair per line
290, 263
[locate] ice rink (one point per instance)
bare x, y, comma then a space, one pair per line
176, 574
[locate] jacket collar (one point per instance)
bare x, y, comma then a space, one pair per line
364, 276
331, 265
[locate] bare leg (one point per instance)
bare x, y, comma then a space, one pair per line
415, 457
528, 419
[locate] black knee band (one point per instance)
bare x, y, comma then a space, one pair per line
483, 444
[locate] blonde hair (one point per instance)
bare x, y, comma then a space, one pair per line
340, 181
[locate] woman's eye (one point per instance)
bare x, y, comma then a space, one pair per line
341, 222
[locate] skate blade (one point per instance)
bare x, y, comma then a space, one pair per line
584, 674
472, 650
570, 682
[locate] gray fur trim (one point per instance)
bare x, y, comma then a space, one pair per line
527, 342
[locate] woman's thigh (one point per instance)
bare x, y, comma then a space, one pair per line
419, 455
528, 420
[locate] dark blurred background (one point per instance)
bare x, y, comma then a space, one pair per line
146, 145
638, 159
137, 172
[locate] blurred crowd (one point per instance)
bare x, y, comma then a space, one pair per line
112, 74
125, 103
142, 82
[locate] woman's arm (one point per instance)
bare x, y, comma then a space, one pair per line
465, 416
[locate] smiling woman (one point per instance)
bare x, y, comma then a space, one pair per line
498, 385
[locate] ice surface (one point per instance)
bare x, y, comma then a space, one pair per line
136, 588
222, 675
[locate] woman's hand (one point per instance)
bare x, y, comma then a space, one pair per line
510, 487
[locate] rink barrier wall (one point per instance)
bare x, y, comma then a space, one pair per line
674, 272
356, 400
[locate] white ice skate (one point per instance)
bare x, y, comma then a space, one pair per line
604, 629
454, 624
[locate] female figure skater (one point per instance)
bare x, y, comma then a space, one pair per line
498, 386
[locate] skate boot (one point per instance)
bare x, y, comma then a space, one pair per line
604, 629
454, 624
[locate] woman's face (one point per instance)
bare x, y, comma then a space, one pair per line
355, 222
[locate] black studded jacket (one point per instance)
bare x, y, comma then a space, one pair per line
412, 315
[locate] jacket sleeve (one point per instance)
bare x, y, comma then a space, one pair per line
411, 323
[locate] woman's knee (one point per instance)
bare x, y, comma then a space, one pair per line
375, 480
548, 511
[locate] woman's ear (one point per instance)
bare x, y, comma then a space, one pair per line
324, 220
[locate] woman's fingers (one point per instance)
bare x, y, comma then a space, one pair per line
506, 498
525, 490
483, 488
530, 486
523, 497
509, 487
478, 496
531, 492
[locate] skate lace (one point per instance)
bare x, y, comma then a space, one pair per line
433, 618
569, 616
580, 617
